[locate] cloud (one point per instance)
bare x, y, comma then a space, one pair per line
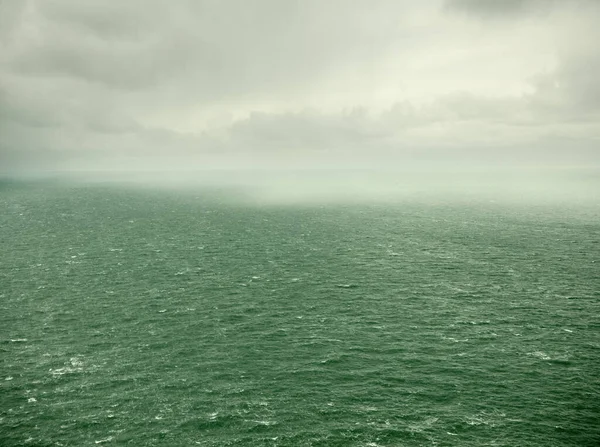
499, 9
202, 83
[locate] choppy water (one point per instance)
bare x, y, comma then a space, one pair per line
139, 318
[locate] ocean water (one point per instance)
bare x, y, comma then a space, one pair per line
148, 318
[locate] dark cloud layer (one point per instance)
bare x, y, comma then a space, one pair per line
499, 8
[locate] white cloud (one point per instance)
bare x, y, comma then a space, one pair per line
100, 83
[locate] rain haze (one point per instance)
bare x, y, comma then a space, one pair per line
418, 87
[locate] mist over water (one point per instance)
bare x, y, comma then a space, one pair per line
544, 185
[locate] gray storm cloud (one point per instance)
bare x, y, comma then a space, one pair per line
499, 9
200, 84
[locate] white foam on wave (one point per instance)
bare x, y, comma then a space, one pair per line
75, 362
540, 355
489, 418
455, 340
265, 423
75, 365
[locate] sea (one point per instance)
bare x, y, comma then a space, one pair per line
157, 317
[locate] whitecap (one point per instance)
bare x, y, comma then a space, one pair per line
540, 355
75, 362
266, 423
491, 419
455, 340
65, 370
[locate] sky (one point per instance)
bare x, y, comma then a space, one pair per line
207, 84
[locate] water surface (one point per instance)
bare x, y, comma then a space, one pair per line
147, 318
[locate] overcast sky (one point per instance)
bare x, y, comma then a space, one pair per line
195, 84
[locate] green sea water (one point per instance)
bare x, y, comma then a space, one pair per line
148, 318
